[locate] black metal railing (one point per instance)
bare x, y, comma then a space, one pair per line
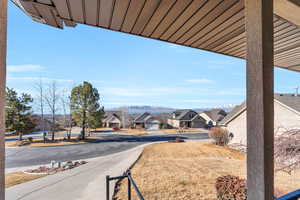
130, 181
291, 196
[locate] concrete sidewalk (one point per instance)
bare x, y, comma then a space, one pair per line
86, 182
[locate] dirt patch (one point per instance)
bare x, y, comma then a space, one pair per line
20, 177
188, 171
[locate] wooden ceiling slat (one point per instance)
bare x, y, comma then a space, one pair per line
241, 55
48, 2
91, 12
28, 6
62, 8
229, 36
286, 48
238, 6
205, 21
284, 30
287, 43
288, 38
185, 16
287, 57
161, 12
176, 11
235, 49
120, 10
233, 45
47, 14
287, 52
282, 26
76, 7
145, 15
287, 34
295, 53
134, 9
229, 42
219, 33
105, 13
209, 6
236, 20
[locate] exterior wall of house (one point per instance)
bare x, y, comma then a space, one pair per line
284, 118
198, 124
174, 123
207, 118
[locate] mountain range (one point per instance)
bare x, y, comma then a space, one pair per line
157, 110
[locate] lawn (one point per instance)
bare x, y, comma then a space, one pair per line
190, 130
19, 177
187, 171
134, 131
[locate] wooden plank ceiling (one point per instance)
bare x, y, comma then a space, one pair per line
213, 25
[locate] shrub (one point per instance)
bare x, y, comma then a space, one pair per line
231, 188
177, 140
219, 135
30, 139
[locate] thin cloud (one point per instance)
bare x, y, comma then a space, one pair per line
33, 79
25, 68
202, 80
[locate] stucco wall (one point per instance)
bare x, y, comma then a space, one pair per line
174, 123
284, 118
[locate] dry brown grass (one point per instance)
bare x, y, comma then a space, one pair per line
18, 178
188, 171
57, 142
191, 130
134, 131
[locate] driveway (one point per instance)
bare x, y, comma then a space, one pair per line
111, 143
86, 182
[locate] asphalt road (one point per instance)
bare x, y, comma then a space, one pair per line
112, 143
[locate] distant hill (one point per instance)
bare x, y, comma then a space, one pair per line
142, 109
159, 110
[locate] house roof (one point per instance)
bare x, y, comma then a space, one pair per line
110, 116
216, 114
143, 117
181, 113
212, 25
290, 100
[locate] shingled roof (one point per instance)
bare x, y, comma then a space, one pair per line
290, 100
216, 114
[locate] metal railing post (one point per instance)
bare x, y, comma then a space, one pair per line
129, 188
107, 188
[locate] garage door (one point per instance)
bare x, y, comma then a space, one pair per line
153, 126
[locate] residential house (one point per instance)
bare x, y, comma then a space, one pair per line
186, 119
213, 116
286, 116
112, 120
147, 121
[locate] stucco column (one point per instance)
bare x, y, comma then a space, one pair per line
260, 99
3, 42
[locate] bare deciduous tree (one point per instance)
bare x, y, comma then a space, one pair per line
287, 150
52, 98
66, 106
39, 86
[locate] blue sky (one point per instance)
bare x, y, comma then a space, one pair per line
127, 70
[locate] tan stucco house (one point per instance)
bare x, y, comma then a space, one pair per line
186, 119
286, 116
147, 121
213, 116
112, 120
